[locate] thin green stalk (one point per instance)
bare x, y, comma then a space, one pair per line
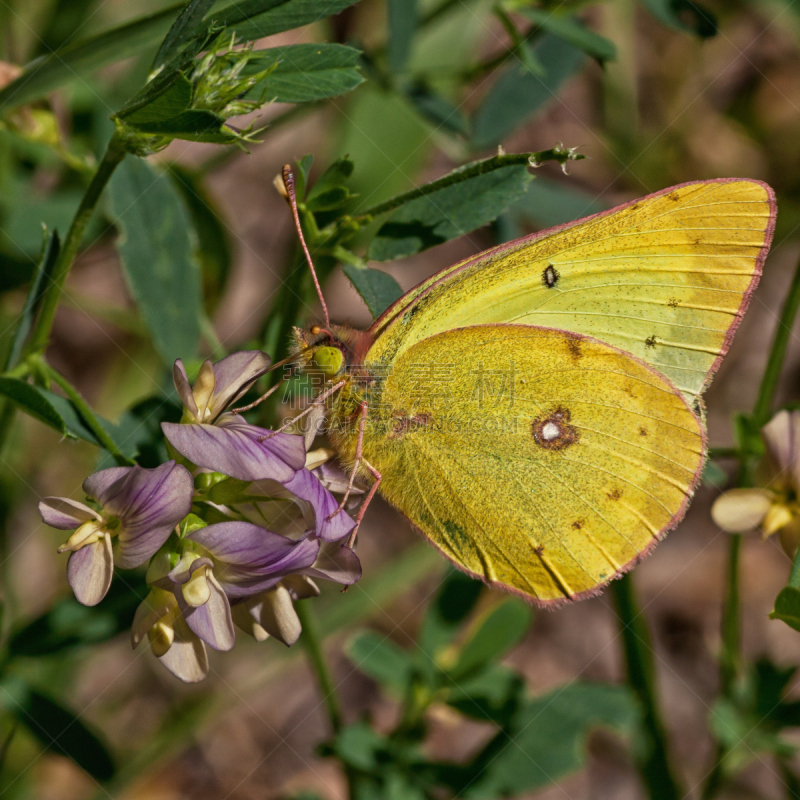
654, 764
316, 658
730, 655
85, 410
772, 372
52, 294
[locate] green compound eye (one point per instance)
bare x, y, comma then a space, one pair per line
328, 360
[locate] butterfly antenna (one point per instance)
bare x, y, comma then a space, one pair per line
288, 182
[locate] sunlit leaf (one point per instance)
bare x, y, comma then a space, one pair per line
375, 655
157, 254
377, 289
517, 93
502, 628
303, 73
451, 211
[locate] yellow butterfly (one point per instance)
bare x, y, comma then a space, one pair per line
535, 410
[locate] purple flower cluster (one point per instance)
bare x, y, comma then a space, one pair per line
200, 524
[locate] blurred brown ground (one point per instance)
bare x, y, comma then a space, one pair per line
259, 742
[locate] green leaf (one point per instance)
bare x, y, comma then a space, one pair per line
502, 628
548, 203
493, 694
684, 15
334, 177
30, 400
449, 212
358, 746
41, 279
517, 93
303, 73
546, 740
77, 60
58, 729
572, 30
157, 255
787, 607
301, 177
402, 17
385, 662
254, 19
184, 29
377, 289
743, 737
68, 624
437, 109
453, 604
214, 251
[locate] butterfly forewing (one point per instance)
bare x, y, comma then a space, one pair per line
666, 278
541, 461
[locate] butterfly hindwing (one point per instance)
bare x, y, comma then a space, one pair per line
541, 461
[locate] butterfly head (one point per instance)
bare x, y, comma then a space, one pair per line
330, 350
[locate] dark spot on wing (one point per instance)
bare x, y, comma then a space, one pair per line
615, 494
539, 550
550, 276
574, 346
674, 196
672, 302
577, 524
650, 341
554, 431
642, 431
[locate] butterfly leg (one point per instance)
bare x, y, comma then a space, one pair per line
367, 500
318, 401
362, 426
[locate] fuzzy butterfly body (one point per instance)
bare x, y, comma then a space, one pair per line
535, 410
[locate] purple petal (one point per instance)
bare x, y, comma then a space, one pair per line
212, 621
250, 559
184, 389
98, 484
335, 479
234, 375
90, 570
335, 562
149, 503
65, 514
307, 487
232, 447
300, 587
187, 658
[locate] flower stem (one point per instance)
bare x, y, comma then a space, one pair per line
52, 294
316, 658
772, 372
654, 764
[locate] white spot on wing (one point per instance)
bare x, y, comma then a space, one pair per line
550, 431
